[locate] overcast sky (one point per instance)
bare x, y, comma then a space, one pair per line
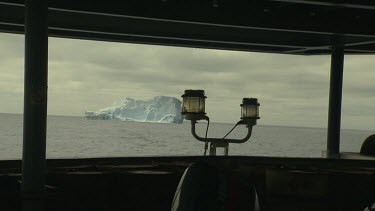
292, 90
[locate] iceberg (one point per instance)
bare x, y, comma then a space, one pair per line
161, 109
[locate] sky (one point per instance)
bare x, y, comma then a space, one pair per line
90, 75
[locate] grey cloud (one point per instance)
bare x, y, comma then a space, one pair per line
12, 46
292, 90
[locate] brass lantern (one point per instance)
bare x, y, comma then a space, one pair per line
249, 109
193, 104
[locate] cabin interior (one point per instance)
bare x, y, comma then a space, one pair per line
298, 27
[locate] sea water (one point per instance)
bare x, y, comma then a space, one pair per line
77, 137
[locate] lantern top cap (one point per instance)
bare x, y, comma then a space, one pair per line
194, 93
250, 101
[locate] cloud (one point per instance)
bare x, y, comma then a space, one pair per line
292, 90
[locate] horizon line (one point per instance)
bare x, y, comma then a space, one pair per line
266, 125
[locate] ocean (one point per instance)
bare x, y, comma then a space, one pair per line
77, 137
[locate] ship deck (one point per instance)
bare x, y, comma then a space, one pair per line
149, 183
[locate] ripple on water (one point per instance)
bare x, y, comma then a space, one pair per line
77, 137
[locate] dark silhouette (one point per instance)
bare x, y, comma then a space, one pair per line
368, 146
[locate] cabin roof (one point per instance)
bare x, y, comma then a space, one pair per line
305, 27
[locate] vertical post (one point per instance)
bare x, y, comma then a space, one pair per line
35, 104
226, 150
335, 98
212, 149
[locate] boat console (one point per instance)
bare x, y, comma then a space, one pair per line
151, 183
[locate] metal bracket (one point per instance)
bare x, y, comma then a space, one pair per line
222, 142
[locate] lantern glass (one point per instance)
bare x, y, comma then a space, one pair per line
249, 111
250, 108
193, 102
193, 105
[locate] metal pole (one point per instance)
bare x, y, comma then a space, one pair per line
335, 98
35, 104
212, 149
226, 150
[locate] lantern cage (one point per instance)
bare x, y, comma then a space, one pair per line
249, 109
193, 104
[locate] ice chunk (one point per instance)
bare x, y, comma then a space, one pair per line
159, 109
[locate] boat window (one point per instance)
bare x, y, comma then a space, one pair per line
109, 99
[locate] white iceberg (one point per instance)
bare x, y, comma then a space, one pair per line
159, 109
